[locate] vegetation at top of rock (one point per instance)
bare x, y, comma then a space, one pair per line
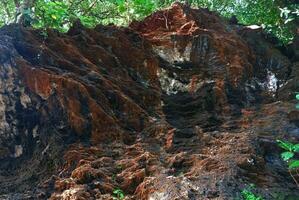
279, 17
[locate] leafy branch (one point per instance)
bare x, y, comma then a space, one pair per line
288, 156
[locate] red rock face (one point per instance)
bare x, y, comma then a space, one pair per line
179, 106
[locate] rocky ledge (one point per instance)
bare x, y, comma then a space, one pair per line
183, 105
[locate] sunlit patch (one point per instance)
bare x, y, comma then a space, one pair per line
254, 27
272, 82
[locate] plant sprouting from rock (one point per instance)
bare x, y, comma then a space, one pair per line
247, 194
288, 156
118, 194
297, 97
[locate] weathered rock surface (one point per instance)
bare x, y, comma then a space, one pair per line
182, 105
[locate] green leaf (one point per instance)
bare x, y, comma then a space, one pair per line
296, 148
297, 96
116, 191
285, 145
121, 196
287, 155
118, 194
294, 164
122, 8
247, 194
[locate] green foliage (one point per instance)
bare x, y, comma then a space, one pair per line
118, 194
51, 14
134, 10
289, 154
285, 145
275, 16
294, 164
278, 17
7, 9
247, 194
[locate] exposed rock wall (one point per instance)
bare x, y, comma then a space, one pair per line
182, 105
